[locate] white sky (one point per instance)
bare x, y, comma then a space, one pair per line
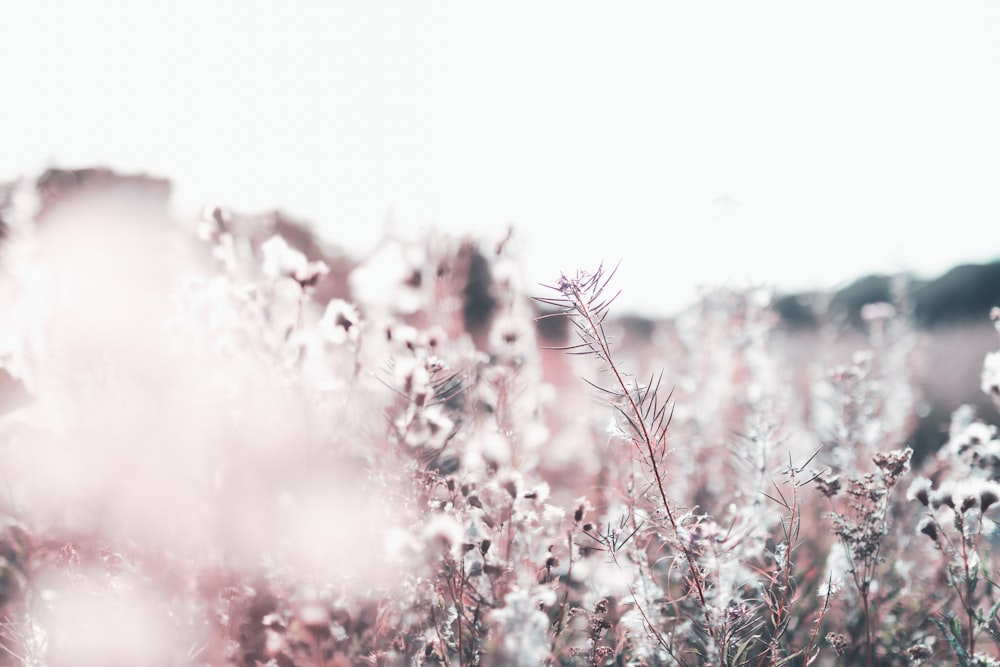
791, 143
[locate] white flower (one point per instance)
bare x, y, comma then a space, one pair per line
283, 261
523, 626
838, 563
991, 375
412, 378
540, 493
831, 587
553, 516
975, 493
444, 531
430, 428
974, 436
920, 490
510, 334
494, 448
339, 323
224, 251
984, 660
280, 259
943, 496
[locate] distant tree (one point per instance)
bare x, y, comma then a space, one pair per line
964, 294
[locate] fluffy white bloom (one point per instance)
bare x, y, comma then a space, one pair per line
429, 428
920, 490
523, 627
339, 323
411, 377
975, 493
281, 260
224, 251
985, 660
838, 563
512, 334
831, 587
639, 636
540, 492
379, 283
553, 516
495, 448
943, 495
444, 531
962, 416
991, 375
975, 435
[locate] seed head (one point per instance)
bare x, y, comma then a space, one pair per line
838, 641
929, 528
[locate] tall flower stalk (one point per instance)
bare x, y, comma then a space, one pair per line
647, 414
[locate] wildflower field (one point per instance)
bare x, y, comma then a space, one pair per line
224, 443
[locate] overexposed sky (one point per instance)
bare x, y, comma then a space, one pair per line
798, 144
